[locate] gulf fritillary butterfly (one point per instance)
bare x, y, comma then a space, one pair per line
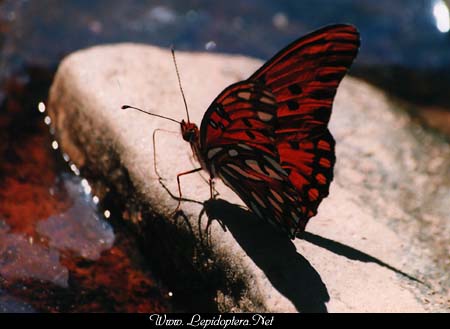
267, 138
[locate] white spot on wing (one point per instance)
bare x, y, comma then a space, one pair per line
287, 195
233, 152
258, 199
244, 95
245, 147
272, 173
265, 116
276, 165
267, 100
295, 216
275, 205
213, 124
253, 164
228, 172
277, 196
213, 152
242, 172
269, 94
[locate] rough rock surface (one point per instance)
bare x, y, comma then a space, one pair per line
383, 229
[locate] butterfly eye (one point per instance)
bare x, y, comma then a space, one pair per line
189, 135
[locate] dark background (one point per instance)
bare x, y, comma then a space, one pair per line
402, 48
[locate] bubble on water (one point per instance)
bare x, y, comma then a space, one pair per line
95, 27
280, 21
41, 107
210, 45
55, 145
75, 170
86, 187
162, 15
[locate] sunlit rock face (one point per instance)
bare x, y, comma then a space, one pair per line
382, 230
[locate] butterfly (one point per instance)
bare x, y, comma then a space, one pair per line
267, 138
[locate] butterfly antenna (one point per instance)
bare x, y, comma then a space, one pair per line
125, 107
179, 82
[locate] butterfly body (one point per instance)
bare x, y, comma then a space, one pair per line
267, 138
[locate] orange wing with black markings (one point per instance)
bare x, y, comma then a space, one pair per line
267, 136
304, 78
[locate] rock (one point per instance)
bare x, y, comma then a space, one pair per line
370, 248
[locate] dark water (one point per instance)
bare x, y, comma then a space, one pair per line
58, 251
402, 47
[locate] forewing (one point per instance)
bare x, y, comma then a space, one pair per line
243, 113
304, 78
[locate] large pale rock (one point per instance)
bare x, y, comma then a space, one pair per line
386, 216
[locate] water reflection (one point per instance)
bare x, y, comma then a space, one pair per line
57, 252
73, 261
10, 304
20, 258
78, 229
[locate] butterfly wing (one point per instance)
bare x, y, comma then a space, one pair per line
237, 138
304, 78
267, 137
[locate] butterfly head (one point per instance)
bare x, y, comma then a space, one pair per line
189, 131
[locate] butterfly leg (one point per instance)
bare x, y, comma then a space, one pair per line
213, 193
154, 148
180, 195
211, 188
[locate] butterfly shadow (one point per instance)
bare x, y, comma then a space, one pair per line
275, 254
352, 253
